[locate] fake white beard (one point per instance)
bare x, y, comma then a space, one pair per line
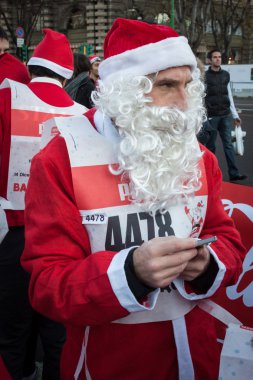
158, 152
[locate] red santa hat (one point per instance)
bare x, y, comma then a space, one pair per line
12, 68
94, 58
54, 53
137, 48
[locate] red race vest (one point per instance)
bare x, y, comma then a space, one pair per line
238, 299
28, 112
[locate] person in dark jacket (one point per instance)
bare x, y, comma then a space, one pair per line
220, 110
81, 86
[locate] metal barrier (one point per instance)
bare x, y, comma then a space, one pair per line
242, 89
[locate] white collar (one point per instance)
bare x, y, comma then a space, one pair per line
106, 127
46, 80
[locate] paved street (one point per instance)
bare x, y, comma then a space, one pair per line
245, 163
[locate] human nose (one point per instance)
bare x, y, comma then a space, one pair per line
180, 100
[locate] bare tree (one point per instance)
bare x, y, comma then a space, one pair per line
191, 18
26, 14
226, 17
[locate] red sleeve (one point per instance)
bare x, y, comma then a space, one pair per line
228, 247
14, 218
67, 283
5, 130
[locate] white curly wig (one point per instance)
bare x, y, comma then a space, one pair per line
158, 151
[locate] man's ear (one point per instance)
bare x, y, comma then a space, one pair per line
64, 82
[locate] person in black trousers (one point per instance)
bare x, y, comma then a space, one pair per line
220, 111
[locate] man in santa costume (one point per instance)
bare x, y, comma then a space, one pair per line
95, 61
108, 241
23, 109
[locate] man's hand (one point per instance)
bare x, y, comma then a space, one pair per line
197, 265
159, 261
237, 122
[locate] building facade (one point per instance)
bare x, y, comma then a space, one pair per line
87, 22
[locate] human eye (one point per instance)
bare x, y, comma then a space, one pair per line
169, 84
166, 84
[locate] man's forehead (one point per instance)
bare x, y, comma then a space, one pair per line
175, 73
3, 41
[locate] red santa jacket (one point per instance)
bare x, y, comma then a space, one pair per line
71, 285
3, 371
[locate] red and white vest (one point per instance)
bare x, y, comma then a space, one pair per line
113, 223
28, 112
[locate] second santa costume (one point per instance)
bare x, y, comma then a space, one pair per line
23, 108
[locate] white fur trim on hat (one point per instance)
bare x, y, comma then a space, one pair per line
62, 71
95, 59
148, 59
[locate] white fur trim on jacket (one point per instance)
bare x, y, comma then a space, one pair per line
119, 284
179, 282
148, 59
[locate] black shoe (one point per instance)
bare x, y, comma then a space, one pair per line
239, 177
